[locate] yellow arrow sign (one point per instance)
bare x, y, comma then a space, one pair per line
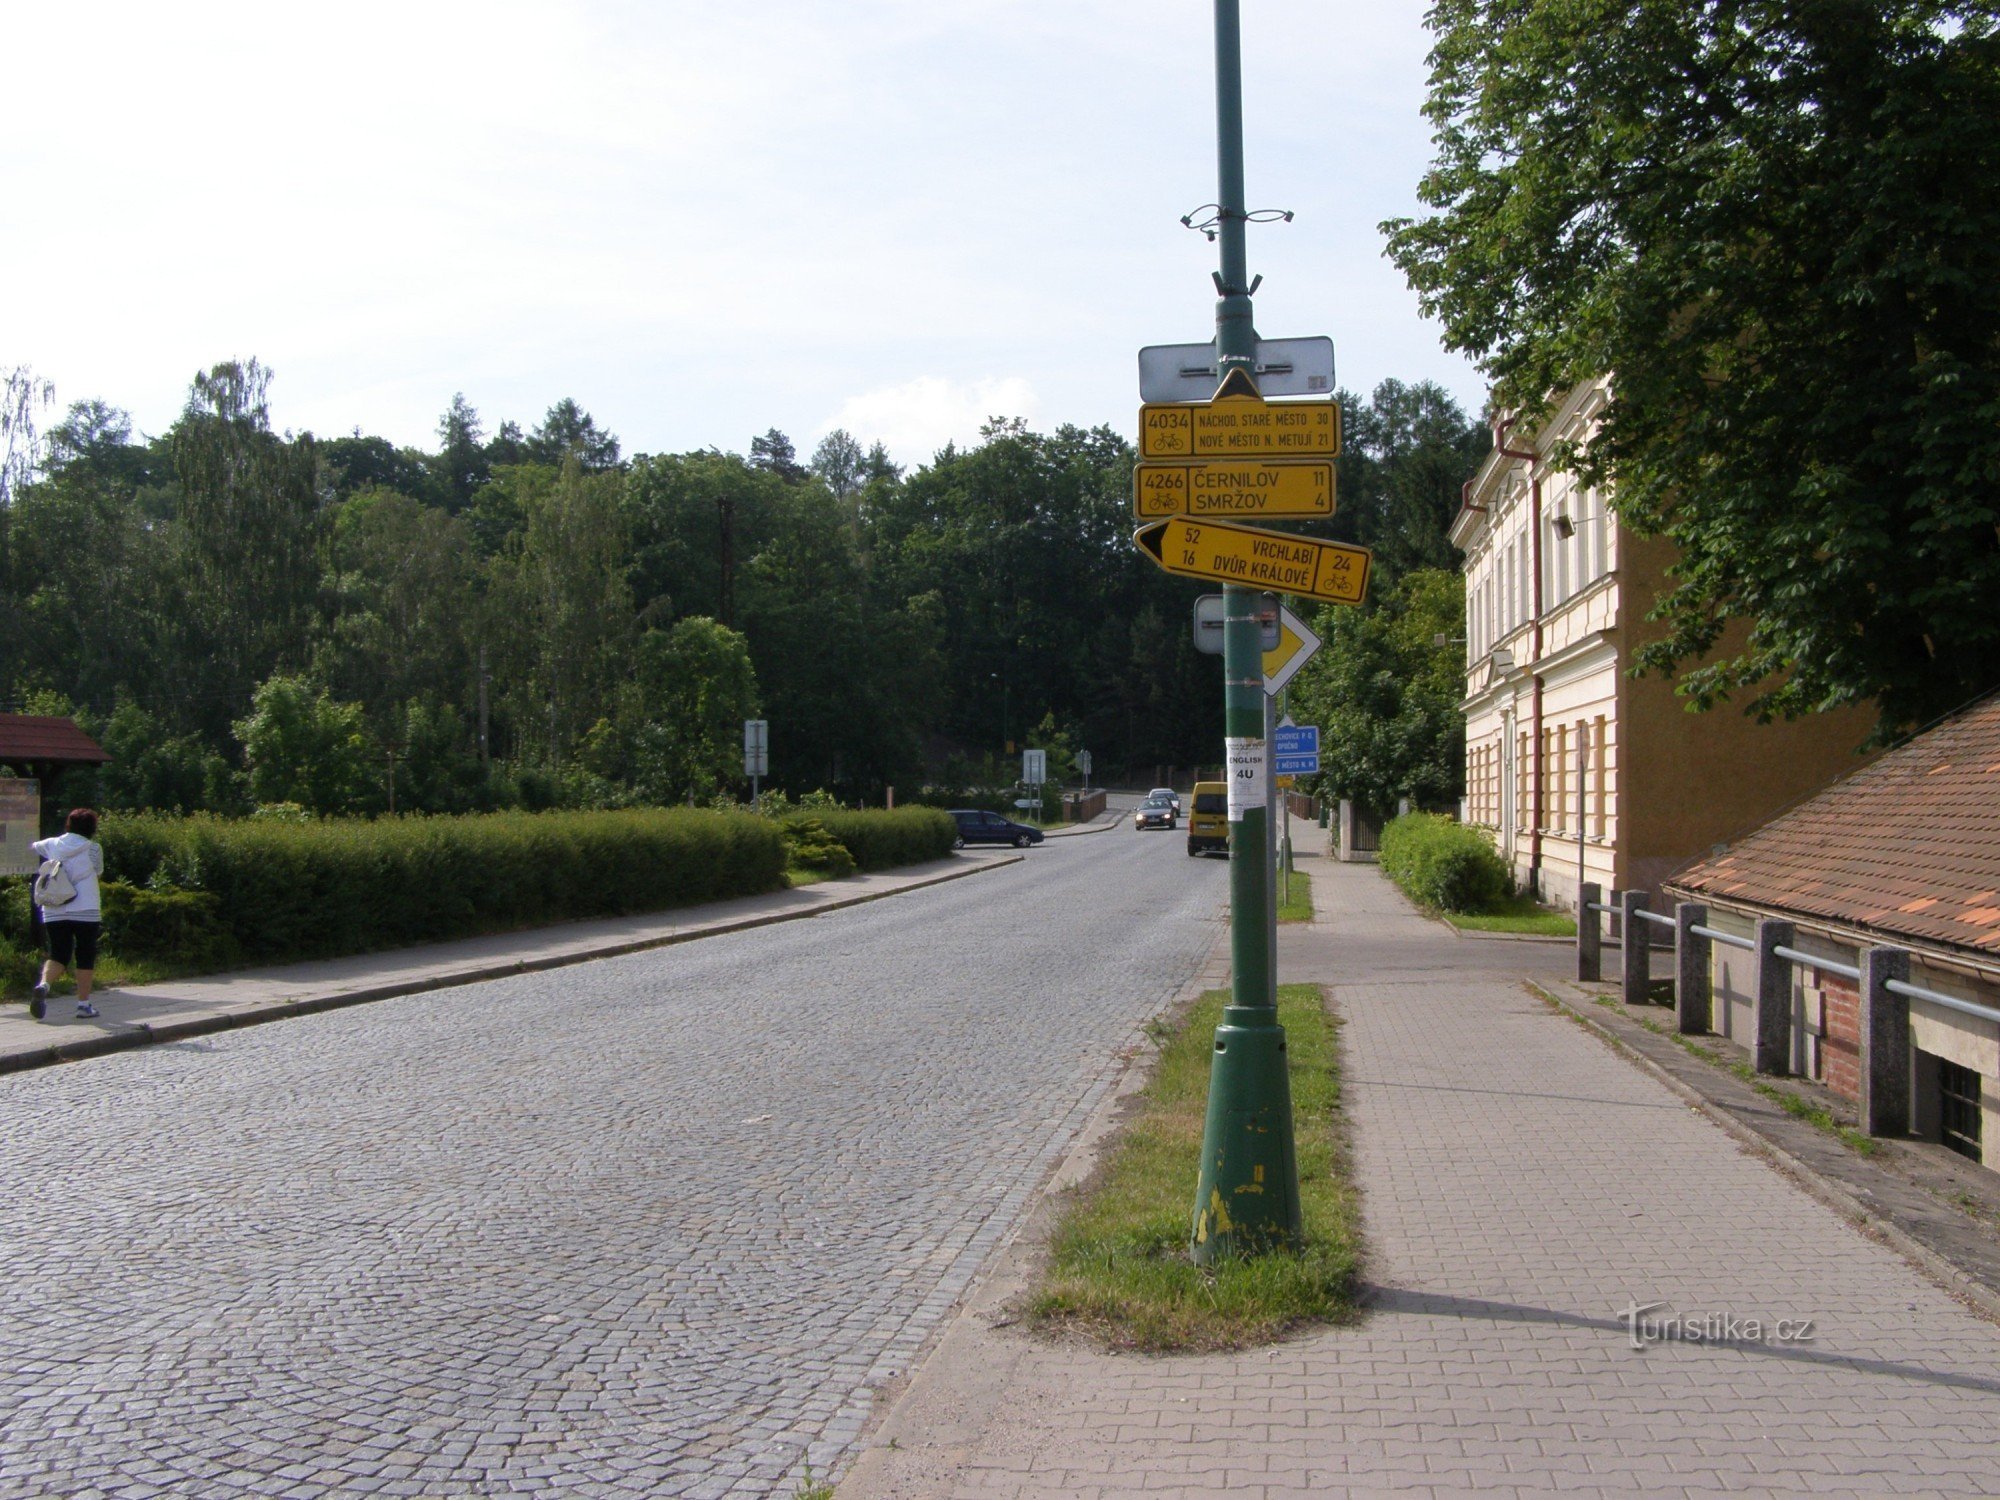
1239, 423
1256, 559
1234, 487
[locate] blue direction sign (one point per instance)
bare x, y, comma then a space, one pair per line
1295, 750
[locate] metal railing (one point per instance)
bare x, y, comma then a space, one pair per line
1881, 979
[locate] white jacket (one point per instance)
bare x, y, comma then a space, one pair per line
84, 861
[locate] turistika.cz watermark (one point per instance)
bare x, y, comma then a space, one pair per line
1657, 1323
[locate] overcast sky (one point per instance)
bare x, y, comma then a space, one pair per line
701, 221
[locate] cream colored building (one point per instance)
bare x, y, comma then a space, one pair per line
1572, 763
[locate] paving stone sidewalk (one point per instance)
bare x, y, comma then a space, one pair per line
1526, 1191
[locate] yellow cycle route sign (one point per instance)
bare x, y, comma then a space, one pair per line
1233, 487
1272, 560
1239, 423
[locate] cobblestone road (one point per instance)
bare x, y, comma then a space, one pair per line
651, 1226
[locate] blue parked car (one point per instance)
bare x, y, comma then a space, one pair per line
975, 827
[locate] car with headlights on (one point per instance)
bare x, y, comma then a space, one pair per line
1170, 794
1156, 812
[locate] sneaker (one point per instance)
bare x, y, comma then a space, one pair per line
85, 1010
38, 1003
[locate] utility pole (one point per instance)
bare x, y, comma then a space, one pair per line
1248, 1198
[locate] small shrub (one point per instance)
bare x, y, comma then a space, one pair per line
808, 846
1443, 865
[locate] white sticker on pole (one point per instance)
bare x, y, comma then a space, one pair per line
1248, 790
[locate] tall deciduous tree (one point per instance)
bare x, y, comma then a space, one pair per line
696, 687
301, 746
250, 523
571, 609
1776, 225
1385, 694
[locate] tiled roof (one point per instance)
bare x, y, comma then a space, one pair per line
37, 737
1908, 847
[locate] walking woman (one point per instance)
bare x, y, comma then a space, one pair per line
72, 927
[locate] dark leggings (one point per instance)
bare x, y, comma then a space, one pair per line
73, 942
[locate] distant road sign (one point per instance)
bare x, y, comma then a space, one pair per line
1295, 751
756, 747
1256, 559
1285, 367
1295, 647
1239, 423
1034, 766
1208, 618
1233, 487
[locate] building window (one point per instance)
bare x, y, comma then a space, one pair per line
1598, 762
1958, 1114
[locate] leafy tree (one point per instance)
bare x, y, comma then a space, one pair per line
773, 453
151, 769
408, 607
249, 524
1776, 226
839, 463
566, 611
1386, 695
696, 687
301, 746
1405, 457
507, 446
21, 393
360, 462
570, 430
462, 462
96, 602
694, 518
436, 769
877, 467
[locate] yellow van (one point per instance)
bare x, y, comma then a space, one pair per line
1208, 822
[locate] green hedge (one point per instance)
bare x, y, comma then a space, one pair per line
1443, 864
309, 890
880, 838
181, 928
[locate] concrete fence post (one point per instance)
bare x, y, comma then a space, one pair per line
1638, 946
1589, 932
1771, 999
1693, 976
1885, 1043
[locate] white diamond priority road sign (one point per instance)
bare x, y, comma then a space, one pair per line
1296, 645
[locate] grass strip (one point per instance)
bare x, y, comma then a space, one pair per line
1119, 1269
1516, 914
1799, 1107
1297, 903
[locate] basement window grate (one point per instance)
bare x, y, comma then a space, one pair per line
1958, 1116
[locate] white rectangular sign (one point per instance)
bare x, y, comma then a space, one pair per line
756, 747
1034, 766
1249, 788
20, 824
1285, 367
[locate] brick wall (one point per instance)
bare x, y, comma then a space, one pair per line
1840, 1046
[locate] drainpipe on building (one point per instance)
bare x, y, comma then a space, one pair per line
1535, 815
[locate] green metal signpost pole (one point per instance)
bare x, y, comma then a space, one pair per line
1248, 1199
